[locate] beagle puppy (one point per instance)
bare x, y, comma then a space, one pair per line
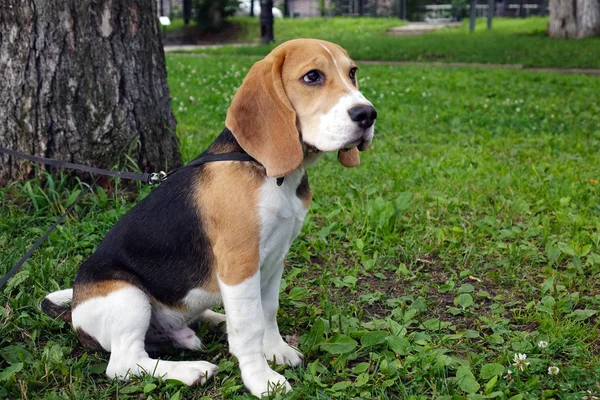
218, 233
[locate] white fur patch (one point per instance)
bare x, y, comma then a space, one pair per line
199, 300
336, 130
119, 323
281, 215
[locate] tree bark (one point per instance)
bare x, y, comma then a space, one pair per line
84, 81
574, 19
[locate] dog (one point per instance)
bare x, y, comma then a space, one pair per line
218, 233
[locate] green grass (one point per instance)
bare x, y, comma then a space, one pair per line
512, 41
470, 233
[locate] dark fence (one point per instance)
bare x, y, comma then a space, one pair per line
416, 10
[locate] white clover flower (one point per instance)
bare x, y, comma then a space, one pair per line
508, 375
590, 396
542, 344
519, 361
192, 99
485, 105
553, 370
518, 109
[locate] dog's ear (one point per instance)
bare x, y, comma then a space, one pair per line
349, 158
263, 120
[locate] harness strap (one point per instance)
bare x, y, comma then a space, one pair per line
217, 157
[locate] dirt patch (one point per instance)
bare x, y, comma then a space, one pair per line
231, 32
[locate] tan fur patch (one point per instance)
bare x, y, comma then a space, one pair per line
303, 56
83, 292
303, 192
227, 198
211, 284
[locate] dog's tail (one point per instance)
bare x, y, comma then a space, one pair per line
58, 304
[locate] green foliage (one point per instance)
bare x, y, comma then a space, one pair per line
469, 234
511, 41
211, 14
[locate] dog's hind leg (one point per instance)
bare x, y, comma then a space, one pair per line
115, 315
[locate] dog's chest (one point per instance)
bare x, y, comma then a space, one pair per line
282, 215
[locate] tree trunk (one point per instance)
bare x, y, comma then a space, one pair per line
574, 19
84, 81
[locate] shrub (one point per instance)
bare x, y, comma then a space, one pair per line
210, 14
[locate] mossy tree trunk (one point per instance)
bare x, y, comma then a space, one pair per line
84, 81
574, 19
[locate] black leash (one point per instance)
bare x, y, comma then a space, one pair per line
37, 244
152, 178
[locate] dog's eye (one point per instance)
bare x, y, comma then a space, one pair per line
312, 77
352, 74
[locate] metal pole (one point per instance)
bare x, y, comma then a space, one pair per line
361, 7
187, 11
403, 9
521, 9
266, 21
490, 13
473, 15
252, 8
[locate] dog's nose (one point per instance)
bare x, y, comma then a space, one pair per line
364, 116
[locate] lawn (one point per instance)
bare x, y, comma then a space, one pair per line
512, 41
469, 234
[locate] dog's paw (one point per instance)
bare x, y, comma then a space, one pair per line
282, 353
191, 372
188, 372
267, 383
214, 320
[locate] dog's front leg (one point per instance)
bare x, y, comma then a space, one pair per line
245, 332
274, 346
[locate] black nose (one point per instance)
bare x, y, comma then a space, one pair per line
364, 116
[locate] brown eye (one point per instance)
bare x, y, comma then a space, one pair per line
312, 77
353, 74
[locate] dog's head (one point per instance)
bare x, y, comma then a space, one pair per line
303, 96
